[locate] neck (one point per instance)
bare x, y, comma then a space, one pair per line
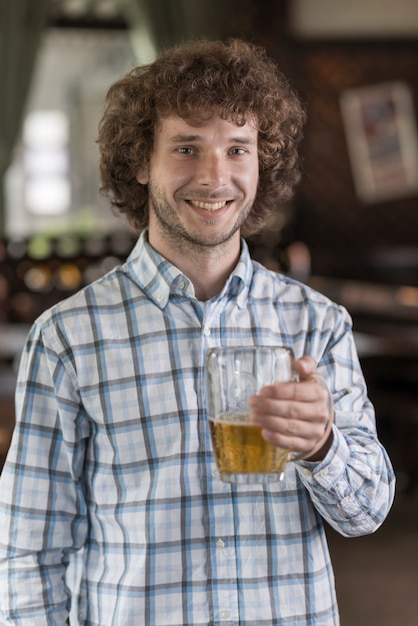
208, 276
208, 268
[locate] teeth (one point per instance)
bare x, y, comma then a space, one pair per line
208, 206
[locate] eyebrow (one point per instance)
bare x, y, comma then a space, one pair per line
240, 139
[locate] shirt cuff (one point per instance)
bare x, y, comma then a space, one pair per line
329, 470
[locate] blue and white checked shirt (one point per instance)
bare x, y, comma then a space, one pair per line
112, 456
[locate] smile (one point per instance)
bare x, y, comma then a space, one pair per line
208, 206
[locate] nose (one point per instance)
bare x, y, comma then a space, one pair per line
212, 170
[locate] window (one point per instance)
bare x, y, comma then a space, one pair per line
53, 184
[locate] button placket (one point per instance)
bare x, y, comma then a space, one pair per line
226, 598
222, 523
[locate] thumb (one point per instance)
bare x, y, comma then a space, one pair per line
305, 366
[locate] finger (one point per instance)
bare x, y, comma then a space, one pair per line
305, 391
311, 406
295, 441
290, 417
310, 448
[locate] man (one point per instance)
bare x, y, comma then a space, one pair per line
111, 457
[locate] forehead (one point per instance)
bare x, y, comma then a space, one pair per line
174, 126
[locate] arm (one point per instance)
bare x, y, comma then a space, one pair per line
345, 468
42, 511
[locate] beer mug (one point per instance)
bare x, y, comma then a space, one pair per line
232, 375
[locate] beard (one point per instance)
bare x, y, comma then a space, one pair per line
180, 237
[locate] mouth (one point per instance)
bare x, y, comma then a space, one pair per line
208, 206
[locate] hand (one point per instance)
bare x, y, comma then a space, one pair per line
297, 415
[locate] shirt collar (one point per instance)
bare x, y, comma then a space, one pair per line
159, 278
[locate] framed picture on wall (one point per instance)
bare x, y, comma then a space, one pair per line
380, 127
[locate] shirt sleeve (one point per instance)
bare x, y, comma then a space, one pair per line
353, 486
42, 507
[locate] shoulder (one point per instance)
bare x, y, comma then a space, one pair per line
295, 298
102, 300
277, 285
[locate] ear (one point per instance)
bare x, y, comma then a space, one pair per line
142, 176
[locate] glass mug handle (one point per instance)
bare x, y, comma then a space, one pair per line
300, 456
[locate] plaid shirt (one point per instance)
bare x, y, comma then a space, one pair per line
111, 456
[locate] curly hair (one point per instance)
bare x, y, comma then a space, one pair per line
234, 78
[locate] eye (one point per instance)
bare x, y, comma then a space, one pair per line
237, 151
185, 150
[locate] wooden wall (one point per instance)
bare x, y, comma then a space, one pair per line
328, 215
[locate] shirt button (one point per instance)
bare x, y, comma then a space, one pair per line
215, 473
182, 284
206, 331
224, 614
220, 544
159, 297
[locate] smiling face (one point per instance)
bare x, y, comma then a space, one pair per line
202, 182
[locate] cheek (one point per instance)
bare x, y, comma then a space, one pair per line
171, 174
249, 179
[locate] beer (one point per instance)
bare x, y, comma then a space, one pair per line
239, 447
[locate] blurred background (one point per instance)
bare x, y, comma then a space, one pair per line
351, 231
